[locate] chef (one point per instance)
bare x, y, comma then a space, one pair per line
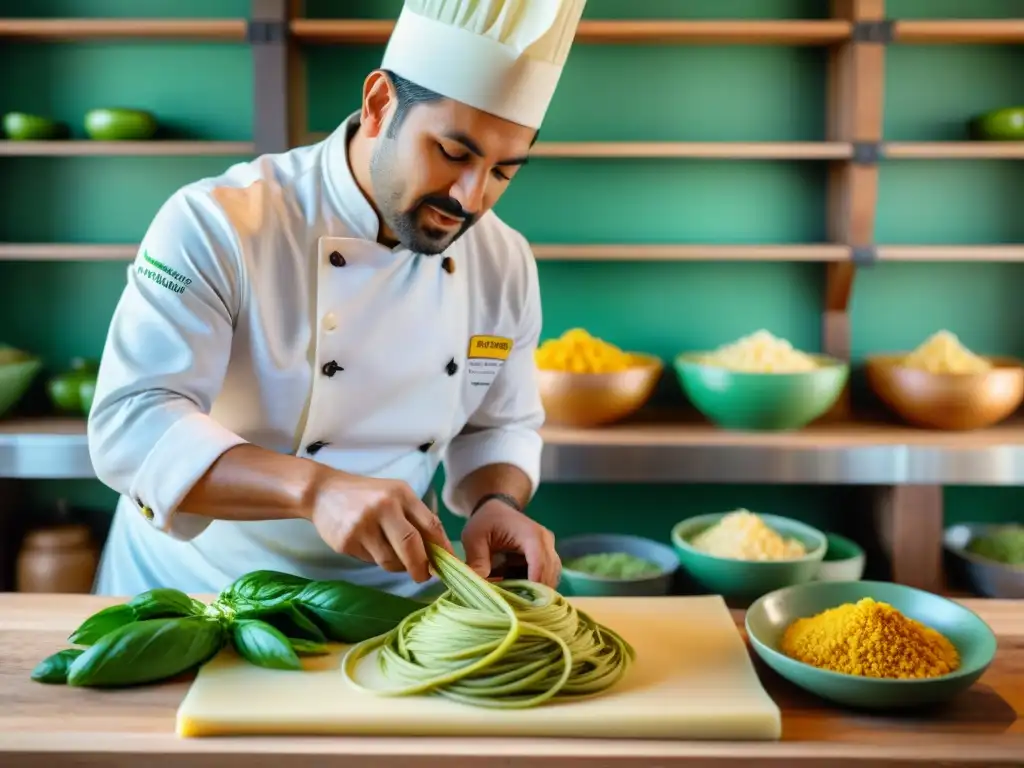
304, 339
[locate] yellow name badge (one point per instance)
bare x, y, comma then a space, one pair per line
489, 348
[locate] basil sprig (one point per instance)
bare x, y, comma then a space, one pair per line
272, 619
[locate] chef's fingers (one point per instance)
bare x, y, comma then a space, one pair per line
381, 552
542, 562
407, 542
429, 524
478, 554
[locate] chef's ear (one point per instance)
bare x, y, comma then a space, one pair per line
379, 101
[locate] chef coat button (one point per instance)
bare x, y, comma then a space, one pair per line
448, 265
331, 368
337, 259
312, 448
145, 511
330, 321
451, 368
426, 446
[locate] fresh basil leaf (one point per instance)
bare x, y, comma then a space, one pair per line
262, 589
164, 603
147, 651
350, 613
308, 648
102, 623
290, 620
54, 669
261, 644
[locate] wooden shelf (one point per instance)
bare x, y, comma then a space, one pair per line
85, 148
718, 150
800, 252
696, 252
965, 31
954, 150
763, 32
684, 429
558, 252
66, 252
947, 253
122, 29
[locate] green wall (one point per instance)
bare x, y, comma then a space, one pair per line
703, 93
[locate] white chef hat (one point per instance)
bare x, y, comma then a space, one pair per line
501, 56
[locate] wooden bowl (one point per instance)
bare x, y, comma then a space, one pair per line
954, 401
593, 399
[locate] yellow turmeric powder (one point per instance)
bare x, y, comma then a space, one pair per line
870, 639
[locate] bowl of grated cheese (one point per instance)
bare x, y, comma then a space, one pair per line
761, 382
943, 385
743, 555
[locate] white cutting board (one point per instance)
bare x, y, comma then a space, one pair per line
692, 679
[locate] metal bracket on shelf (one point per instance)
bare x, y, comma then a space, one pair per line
879, 31
864, 255
867, 152
261, 31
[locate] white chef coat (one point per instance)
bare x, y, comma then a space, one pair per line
260, 309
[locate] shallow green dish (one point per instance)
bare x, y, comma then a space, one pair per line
760, 401
748, 579
768, 617
16, 377
844, 560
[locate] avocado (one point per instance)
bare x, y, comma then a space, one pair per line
119, 124
1006, 124
20, 126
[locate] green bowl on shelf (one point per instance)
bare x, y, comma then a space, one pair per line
1006, 124
17, 371
748, 579
120, 124
761, 401
768, 617
21, 126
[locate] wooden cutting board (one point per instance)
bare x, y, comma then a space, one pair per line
692, 679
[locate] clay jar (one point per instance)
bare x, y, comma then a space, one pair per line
60, 559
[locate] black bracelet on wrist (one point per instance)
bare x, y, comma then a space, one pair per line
512, 501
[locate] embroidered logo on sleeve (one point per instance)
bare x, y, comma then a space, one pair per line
486, 356
161, 274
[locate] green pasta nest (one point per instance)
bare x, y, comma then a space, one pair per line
509, 646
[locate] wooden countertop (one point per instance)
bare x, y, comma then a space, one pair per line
50, 726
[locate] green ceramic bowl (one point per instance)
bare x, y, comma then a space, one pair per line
761, 401
17, 370
769, 616
844, 560
748, 579
578, 583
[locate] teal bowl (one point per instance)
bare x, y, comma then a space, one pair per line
579, 583
761, 401
748, 579
17, 371
768, 617
844, 560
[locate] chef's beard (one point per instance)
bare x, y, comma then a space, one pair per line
406, 223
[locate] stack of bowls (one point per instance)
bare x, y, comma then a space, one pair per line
761, 401
595, 399
748, 579
952, 401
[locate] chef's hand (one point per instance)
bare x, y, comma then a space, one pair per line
379, 521
497, 527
